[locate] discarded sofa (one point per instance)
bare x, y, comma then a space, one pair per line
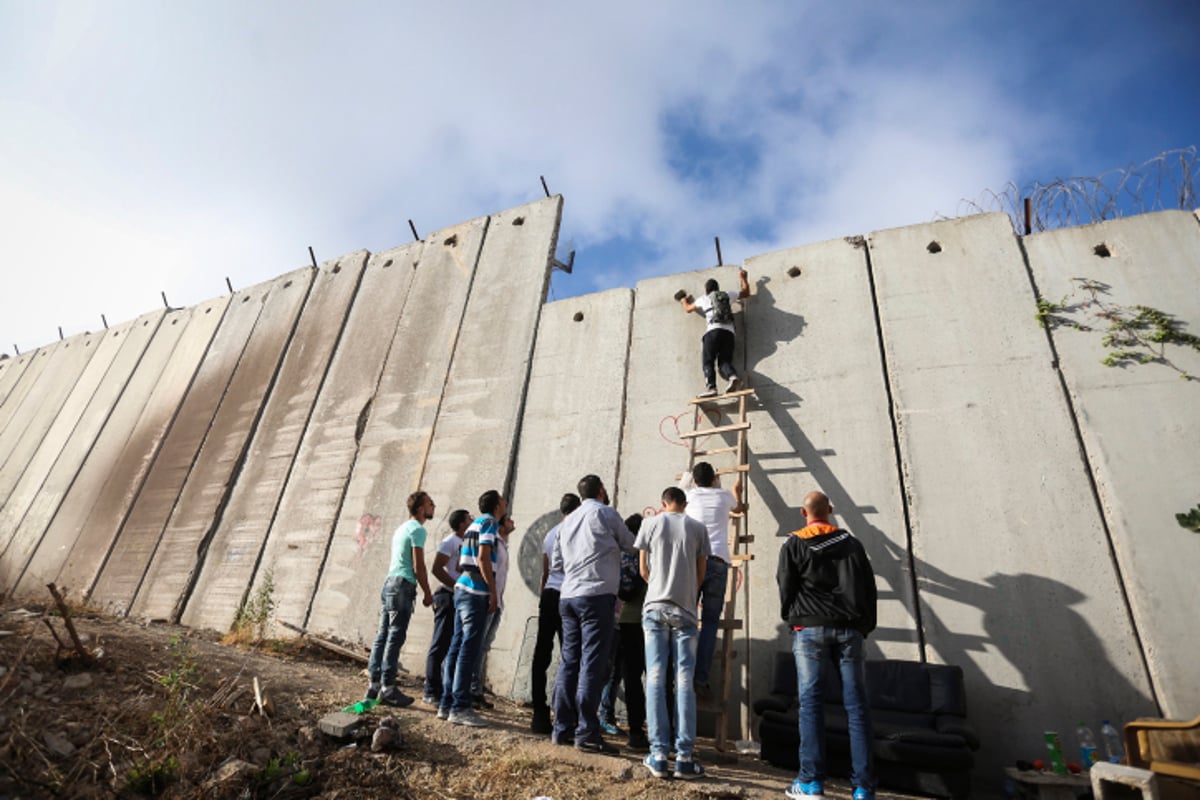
923, 742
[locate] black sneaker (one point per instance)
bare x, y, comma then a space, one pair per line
480, 702
372, 692
392, 696
541, 722
602, 747
638, 741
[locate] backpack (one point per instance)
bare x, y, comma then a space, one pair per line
722, 311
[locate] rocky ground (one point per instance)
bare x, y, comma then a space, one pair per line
161, 711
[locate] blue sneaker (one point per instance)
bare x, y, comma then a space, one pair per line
611, 729
799, 791
688, 770
656, 764
863, 794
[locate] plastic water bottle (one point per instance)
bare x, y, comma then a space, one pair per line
1112, 743
1087, 745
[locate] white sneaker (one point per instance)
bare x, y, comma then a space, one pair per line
735, 383
468, 718
709, 392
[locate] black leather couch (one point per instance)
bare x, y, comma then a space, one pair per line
923, 742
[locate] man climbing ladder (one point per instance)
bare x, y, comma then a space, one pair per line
718, 341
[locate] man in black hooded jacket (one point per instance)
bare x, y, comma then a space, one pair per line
827, 597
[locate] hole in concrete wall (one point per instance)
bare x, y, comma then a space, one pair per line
451, 241
337, 268
794, 272
1102, 250
116, 334
387, 263
934, 247
578, 316
519, 221
207, 310
144, 324
176, 320
856, 242
287, 285
415, 263
245, 298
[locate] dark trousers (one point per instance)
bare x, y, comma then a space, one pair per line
588, 624
443, 630
549, 626
717, 345
633, 661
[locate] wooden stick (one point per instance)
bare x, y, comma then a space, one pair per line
66, 615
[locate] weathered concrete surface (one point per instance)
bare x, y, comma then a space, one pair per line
35, 363
228, 567
11, 370
42, 460
129, 343
821, 423
300, 533
995, 480
1140, 424
142, 528
187, 534
573, 408
475, 438
112, 477
39, 407
393, 443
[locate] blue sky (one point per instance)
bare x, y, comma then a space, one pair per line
149, 146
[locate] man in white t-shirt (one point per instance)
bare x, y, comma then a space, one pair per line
493, 620
445, 570
712, 505
718, 341
549, 623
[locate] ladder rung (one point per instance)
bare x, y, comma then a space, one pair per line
729, 625
716, 450
731, 470
744, 540
737, 426
735, 557
697, 401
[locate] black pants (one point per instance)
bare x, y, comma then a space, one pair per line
633, 661
717, 346
549, 626
443, 631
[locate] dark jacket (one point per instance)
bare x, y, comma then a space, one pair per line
825, 578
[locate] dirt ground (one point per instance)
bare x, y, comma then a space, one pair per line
168, 712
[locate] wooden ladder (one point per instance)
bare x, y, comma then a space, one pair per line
725, 654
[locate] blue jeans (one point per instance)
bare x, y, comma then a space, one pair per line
816, 649
712, 603
666, 638
470, 618
397, 598
588, 624
443, 630
489, 636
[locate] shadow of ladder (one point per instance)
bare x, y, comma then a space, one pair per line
735, 457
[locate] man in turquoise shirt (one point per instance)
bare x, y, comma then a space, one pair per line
399, 595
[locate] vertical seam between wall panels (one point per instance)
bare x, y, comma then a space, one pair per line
227, 494
337, 514
1095, 489
904, 490
624, 394
262, 548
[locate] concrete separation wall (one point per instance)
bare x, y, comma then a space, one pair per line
994, 476
574, 403
1139, 425
1017, 497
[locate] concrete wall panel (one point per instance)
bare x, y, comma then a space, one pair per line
821, 423
113, 474
475, 439
142, 528
228, 567
11, 370
994, 478
37, 361
574, 404
39, 407
395, 439
299, 535
130, 342
186, 537
41, 462
1140, 424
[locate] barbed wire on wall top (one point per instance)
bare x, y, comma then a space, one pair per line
1170, 180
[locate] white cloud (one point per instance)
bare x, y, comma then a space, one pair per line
154, 146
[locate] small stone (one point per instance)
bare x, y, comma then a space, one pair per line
57, 743
385, 738
262, 756
35, 676
81, 681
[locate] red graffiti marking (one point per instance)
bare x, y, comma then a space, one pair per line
364, 534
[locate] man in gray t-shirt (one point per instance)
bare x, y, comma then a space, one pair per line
674, 552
